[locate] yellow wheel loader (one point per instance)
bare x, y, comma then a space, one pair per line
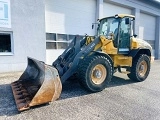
93, 59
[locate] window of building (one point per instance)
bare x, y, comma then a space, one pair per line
6, 46
58, 41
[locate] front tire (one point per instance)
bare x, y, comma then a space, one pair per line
95, 72
140, 68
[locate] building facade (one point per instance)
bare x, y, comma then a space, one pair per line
42, 29
25, 36
66, 18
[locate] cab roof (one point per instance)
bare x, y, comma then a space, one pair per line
120, 16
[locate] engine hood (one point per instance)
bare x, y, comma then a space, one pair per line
143, 44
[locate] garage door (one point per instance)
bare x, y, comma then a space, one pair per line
70, 16
111, 9
147, 28
64, 19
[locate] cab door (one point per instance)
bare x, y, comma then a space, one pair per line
124, 36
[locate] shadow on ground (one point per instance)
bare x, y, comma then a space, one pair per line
7, 103
71, 88
117, 81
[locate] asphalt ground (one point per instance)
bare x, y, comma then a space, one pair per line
123, 99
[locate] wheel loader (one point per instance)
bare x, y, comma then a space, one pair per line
92, 60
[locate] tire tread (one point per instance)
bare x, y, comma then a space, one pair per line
133, 75
83, 66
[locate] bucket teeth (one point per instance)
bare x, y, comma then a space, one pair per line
21, 96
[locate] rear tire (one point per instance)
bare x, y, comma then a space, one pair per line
95, 72
140, 68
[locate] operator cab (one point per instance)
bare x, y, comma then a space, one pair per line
120, 27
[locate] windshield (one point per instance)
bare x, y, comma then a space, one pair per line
107, 26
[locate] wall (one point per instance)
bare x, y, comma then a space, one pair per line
28, 28
52, 55
70, 16
111, 10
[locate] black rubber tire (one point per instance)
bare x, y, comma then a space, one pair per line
135, 75
85, 70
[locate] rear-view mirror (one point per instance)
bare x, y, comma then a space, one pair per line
92, 26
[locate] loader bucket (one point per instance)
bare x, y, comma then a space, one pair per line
39, 84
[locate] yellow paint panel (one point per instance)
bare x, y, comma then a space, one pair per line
107, 46
120, 15
121, 60
125, 15
89, 40
98, 46
134, 44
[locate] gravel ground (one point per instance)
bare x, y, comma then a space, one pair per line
123, 99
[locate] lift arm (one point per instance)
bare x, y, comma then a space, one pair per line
67, 63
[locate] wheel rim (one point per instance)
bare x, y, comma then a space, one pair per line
142, 68
99, 74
